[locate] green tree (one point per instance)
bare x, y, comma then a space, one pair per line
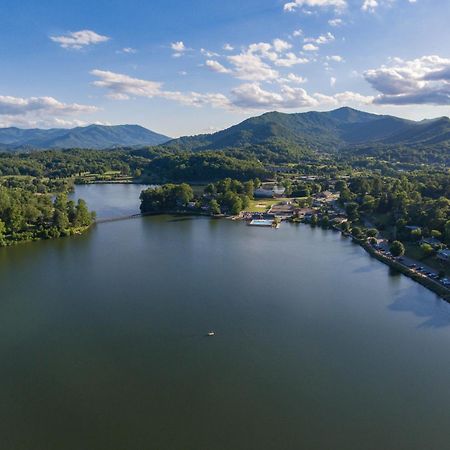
237, 205
397, 249
357, 232
214, 206
427, 249
2, 232
352, 211
436, 234
249, 188
83, 217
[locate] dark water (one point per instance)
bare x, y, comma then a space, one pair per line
111, 200
317, 346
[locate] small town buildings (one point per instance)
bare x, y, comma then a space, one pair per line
269, 192
431, 241
283, 210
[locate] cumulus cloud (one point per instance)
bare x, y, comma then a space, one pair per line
123, 87
335, 22
208, 53
128, 50
370, 5
19, 105
343, 98
215, 66
79, 39
310, 48
335, 58
258, 61
322, 39
228, 47
424, 80
253, 96
292, 78
281, 46
178, 48
39, 111
248, 66
335, 4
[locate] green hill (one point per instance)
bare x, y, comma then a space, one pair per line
92, 136
342, 130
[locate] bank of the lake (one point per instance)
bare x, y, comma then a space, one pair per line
317, 345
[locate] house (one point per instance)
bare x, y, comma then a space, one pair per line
301, 213
284, 210
269, 192
431, 241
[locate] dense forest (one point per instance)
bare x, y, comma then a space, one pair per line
30, 212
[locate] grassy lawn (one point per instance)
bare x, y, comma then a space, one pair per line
263, 204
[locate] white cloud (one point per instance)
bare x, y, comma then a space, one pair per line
290, 59
333, 81
123, 87
322, 39
297, 33
335, 58
424, 80
247, 96
343, 98
208, 53
248, 66
293, 78
215, 66
79, 39
281, 46
127, 50
257, 62
335, 22
178, 46
253, 96
228, 47
39, 111
370, 5
310, 48
335, 4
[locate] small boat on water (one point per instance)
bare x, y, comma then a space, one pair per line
210, 334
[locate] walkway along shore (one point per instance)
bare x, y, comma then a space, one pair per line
432, 285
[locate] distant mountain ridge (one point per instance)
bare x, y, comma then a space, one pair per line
92, 136
323, 131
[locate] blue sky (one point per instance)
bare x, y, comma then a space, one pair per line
181, 67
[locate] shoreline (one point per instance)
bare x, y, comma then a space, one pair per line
432, 285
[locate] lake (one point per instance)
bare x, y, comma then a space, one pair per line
317, 346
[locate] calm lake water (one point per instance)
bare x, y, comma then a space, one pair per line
317, 345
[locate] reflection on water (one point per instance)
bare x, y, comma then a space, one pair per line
317, 345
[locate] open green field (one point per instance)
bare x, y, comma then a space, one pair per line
263, 204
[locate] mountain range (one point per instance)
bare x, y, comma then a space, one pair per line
324, 131
343, 130
92, 136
